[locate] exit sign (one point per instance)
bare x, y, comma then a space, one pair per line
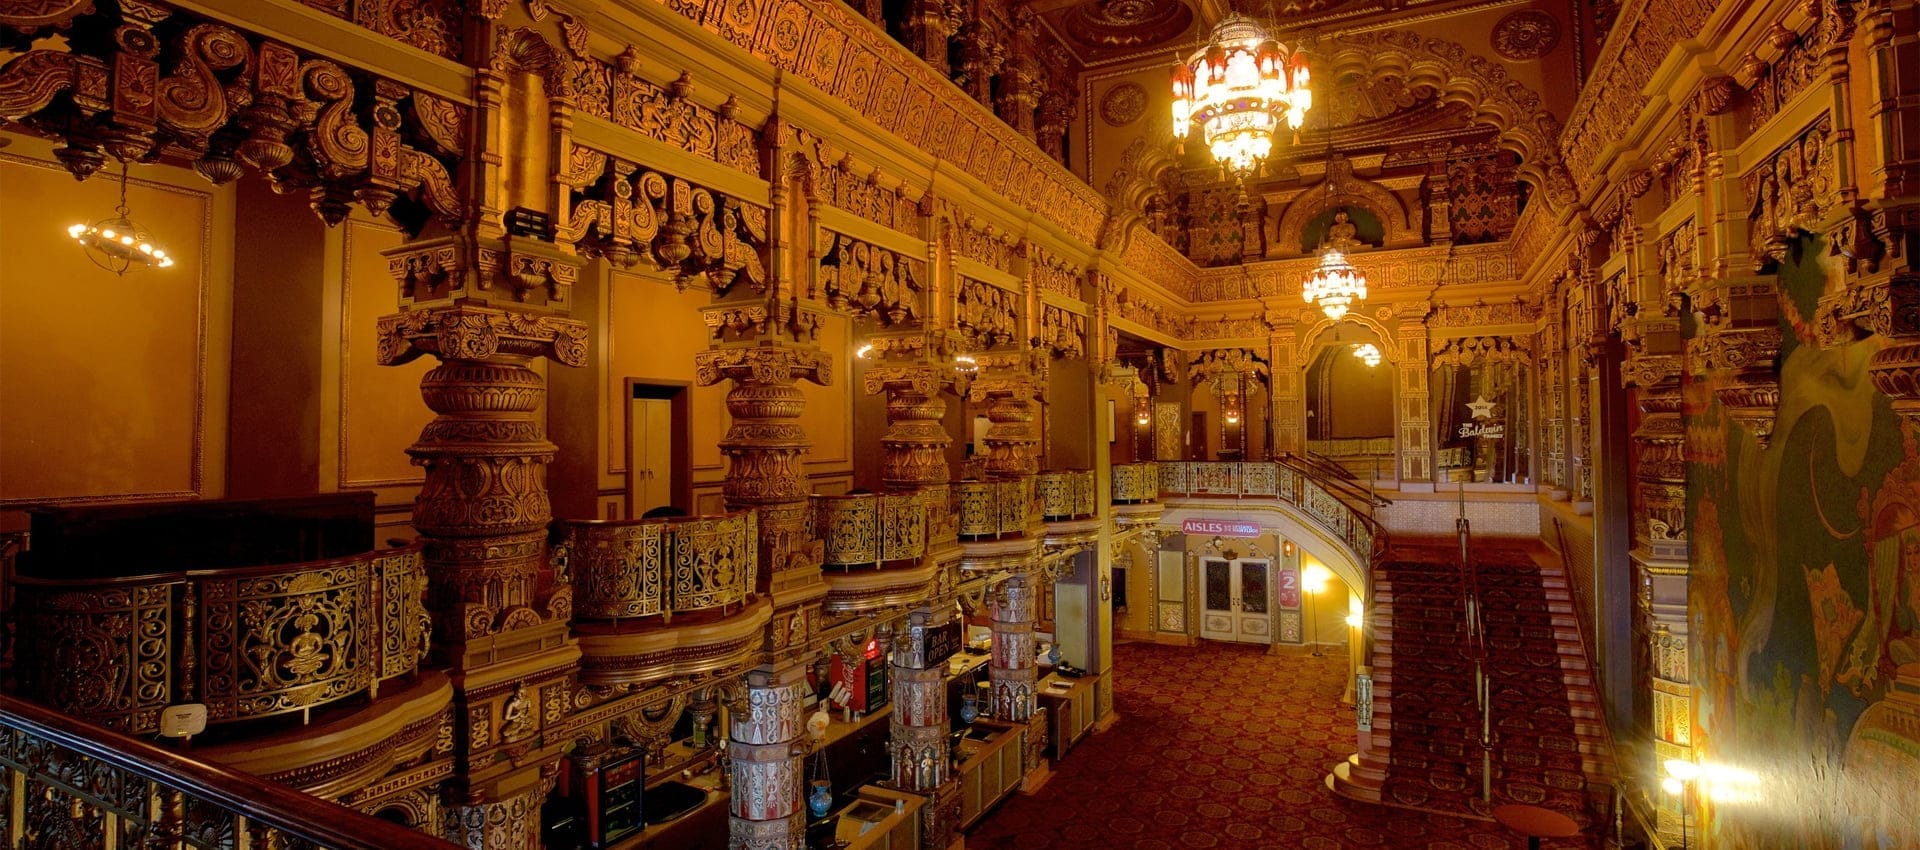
1220, 527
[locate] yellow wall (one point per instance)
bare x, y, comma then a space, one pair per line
111, 387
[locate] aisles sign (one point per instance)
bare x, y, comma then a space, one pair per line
1220, 527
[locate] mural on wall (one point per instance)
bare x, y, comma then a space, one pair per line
1805, 586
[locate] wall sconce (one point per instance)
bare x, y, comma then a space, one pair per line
864, 350
1286, 548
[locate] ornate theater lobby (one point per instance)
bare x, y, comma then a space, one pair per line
932, 424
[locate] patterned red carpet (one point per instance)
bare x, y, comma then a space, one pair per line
1220, 746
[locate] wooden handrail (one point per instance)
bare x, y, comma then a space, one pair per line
327, 824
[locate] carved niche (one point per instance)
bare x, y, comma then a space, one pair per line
867, 280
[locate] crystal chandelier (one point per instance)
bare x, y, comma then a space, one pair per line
1241, 89
117, 244
1368, 354
1335, 285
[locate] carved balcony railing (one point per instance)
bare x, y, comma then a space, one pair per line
994, 507
248, 642
1318, 502
1134, 483
74, 785
658, 567
872, 529
1066, 495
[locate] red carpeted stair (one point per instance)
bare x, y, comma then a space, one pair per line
1425, 754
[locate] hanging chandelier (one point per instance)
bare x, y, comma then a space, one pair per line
1242, 88
1335, 284
117, 244
1368, 354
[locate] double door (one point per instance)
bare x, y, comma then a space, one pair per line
1236, 600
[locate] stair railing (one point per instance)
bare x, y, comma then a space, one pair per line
1475, 648
78, 784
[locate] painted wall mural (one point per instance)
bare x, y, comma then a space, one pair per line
1806, 603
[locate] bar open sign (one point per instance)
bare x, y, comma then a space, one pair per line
1220, 527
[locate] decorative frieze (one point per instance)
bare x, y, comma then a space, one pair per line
985, 315
700, 236
1063, 332
666, 114
869, 281
228, 101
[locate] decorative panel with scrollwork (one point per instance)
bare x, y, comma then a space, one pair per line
872, 528
714, 560
985, 314
664, 113
227, 101
1136, 482
1063, 332
627, 213
992, 508
263, 640
616, 568
104, 654
285, 641
1790, 192
870, 281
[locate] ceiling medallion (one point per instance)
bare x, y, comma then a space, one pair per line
1241, 89
1525, 35
1123, 104
1127, 23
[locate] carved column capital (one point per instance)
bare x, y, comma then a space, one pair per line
915, 441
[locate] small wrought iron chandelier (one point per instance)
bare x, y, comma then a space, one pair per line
117, 244
1368, 354
1242, 88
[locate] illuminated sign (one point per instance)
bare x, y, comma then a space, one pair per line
1220, 528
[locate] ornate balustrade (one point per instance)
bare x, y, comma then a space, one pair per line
872, 528
1066, 495
1136, 482
1357, 529
642, 568
81, 786
995, 507
251, 642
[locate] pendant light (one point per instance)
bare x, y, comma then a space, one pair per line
117, 244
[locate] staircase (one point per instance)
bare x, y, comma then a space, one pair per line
1549, 736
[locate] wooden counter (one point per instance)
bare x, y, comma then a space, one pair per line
989, 769
1069, 709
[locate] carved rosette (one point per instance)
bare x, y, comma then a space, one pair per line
483, 510
915, 441
766, 754
1010, 669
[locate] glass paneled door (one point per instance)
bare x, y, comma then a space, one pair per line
1236, 600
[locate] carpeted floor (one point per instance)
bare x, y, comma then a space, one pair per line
1219, 746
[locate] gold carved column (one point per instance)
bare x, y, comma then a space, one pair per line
764, 448
916, 441
1011, 439
487, 308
